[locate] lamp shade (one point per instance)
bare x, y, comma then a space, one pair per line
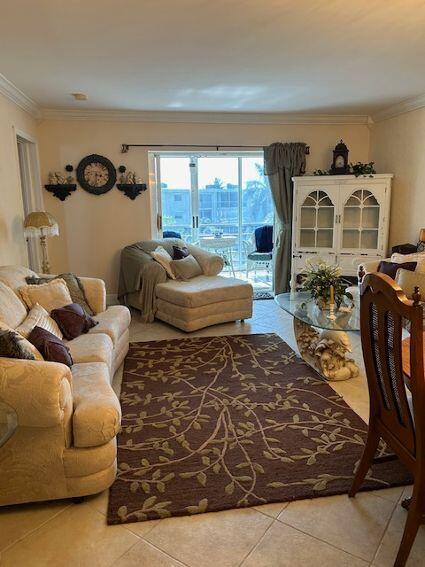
40, 223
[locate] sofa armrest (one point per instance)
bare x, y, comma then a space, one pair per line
95, 291
40, 392
211, 264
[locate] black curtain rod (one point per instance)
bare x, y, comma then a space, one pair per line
126, 147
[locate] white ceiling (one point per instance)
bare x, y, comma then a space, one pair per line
315, 56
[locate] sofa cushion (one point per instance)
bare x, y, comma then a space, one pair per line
203, 290
72, 320
12, 310
91, 348
97, 412
186, 268
38, 317
407, 280
50, 346
50, 295
15, 276
391, 268
161, 256
14, 345
113, 322
75, 288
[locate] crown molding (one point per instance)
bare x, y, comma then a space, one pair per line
11, 92
406, 105
200, 117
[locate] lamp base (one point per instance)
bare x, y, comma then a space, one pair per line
45, 265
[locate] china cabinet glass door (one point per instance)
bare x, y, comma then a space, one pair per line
316, 230
360, 223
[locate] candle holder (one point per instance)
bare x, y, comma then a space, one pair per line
332, 315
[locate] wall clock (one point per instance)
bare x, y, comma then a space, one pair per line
96, 174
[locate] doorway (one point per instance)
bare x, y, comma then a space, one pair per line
31, 189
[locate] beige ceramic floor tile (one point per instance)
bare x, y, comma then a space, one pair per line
141, 529
144, 554
18, 521
391, 541
392, 494
216, 539
283, 546
78, 536
273, 510
355, 525
98, 502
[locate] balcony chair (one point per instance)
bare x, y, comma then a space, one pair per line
171, 234
395, 418
262, 255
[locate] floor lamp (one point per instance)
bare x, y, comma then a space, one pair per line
40, 225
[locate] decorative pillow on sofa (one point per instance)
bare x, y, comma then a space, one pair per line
49, 295
72, 321
180, 252
390, 268
14, 345
52, 348
38, 317
407, 280
163, 258
187, 268
75, 287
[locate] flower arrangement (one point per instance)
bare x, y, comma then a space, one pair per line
319, 277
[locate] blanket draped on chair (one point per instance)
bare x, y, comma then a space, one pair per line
139, 272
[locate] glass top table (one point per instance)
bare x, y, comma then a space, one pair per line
323, 342
303, 307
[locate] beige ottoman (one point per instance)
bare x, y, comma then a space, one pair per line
203, 301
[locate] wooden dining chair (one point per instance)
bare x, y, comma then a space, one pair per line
384, 308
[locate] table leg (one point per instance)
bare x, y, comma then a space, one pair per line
325, 351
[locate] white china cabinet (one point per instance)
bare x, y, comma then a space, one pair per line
341, 219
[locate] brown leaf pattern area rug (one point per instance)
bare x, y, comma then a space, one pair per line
224, 422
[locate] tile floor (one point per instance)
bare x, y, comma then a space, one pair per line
331, 532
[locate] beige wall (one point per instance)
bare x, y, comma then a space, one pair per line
94, 229
13, 248
397, 146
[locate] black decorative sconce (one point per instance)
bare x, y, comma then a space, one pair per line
130, 185
61, 186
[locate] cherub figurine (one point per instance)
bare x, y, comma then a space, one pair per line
330, 351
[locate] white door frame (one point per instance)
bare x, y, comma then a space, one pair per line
30, 179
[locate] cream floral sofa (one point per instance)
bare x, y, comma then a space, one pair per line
68, 419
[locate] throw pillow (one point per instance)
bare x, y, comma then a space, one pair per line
12, 309
180, 252
72, 320
13, 345
162, 257
74, 285
407, 280
187, 268
52, 348
38, 317
391, 268
49, 295
402, 258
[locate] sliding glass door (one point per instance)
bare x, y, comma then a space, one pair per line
206, 196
